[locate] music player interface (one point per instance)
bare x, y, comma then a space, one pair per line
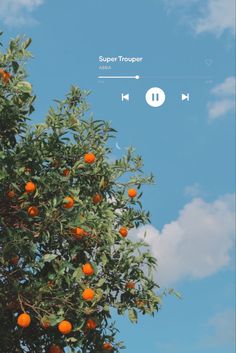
111, 69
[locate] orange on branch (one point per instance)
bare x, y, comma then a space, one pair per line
24, 320
33, 211
30, 187
68, 202
88, 294
91, 324
79, 232
123, 232
5, 76
65, 327
66, 172
107, 346
14, 260
55, 349
97, 198
88, 269
140, 303
130, 285
89, 158
11, 194
132, 193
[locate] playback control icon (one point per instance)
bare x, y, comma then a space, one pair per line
185, 97
125, 97
155, 97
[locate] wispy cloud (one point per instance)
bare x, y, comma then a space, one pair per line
193, 190
227, 88
195, 245
223, 99
18, 12
213, 16
218, 17
221, 328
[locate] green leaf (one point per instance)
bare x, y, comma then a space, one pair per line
104, 259
49, 257
133, 315
27, 43
15, 66
24, 87
78, 274
101, 282
54, 319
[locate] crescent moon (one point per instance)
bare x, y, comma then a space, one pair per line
117, 146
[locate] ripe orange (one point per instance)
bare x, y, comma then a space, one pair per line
130, 285
11, 194
14, 260
132, 193
88, 294
97, 198
91, 324
88, 269
23, 320
107, 346
123, 232
79, 232
33, 211
65, 327
68, 202
140, 303
89, 158
5, 76
55, 349
66, 172
30, 187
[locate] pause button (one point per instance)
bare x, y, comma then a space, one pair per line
155, 97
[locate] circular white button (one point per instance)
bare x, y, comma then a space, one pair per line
155, 97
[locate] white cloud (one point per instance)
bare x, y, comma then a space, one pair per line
222, 328
224, 94
219, 16
195, 245
220, 108
214, 16
227, 88
18, 12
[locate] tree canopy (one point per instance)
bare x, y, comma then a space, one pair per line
67, 210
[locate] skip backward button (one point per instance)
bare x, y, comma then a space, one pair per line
125, 97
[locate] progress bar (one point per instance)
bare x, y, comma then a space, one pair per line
137, 77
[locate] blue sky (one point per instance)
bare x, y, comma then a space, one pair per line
188, 47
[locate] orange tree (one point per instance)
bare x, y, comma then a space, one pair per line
66, 209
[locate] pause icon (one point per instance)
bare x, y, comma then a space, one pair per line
155, 97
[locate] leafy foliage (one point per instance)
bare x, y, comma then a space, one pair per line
42, 253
